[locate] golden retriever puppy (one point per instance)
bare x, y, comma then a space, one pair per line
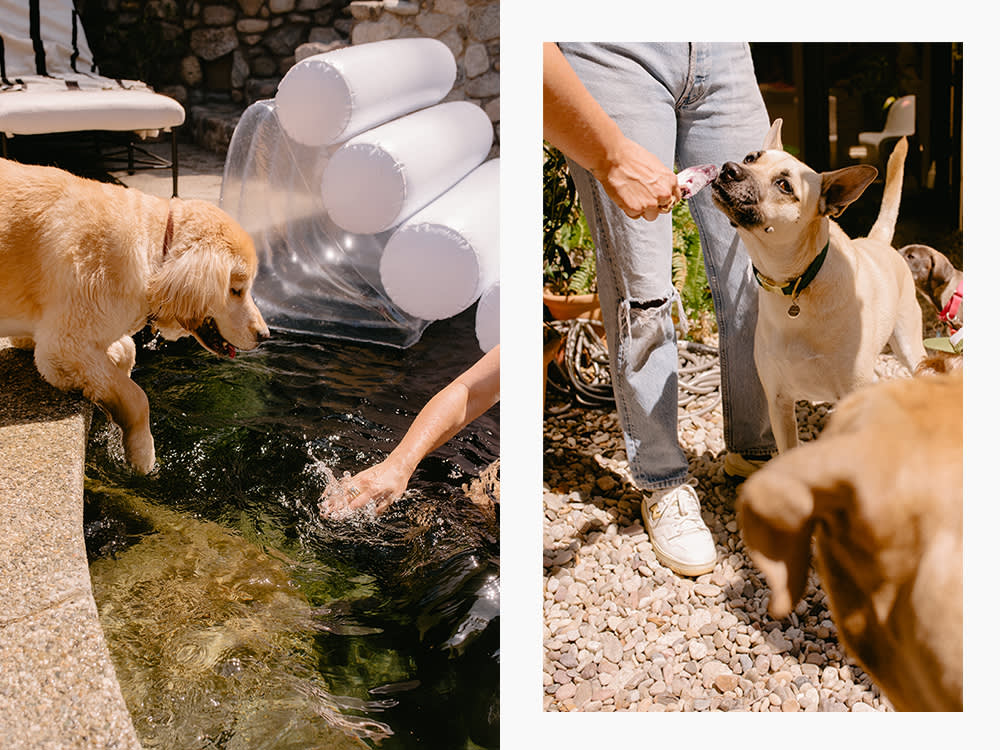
84, 265
881, 493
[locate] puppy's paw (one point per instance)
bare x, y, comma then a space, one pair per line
139, 451
122, 353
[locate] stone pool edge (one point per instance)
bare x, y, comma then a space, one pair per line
58, 687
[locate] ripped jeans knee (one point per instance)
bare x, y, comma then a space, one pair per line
646, 389
644, 327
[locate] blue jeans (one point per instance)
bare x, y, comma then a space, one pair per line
688, 104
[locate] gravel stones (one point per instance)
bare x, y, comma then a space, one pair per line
624, 633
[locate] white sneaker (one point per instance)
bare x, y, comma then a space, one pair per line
680, 538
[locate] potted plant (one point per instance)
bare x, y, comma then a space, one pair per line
569, 262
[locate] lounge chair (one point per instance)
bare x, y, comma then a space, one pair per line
49, 83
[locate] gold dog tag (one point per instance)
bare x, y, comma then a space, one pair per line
793, 311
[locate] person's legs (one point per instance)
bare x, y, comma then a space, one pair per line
637, 85
721, 117
634, 257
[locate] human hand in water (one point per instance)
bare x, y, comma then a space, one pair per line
457, 404
383, 484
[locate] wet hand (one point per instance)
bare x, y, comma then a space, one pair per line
382, 484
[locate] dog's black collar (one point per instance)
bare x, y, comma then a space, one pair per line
797, 285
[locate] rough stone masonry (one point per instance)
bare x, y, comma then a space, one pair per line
227, 54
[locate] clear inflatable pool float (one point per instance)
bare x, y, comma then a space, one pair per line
372, 204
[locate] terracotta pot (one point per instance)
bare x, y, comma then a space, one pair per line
572, 306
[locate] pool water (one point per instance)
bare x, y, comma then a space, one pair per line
236, 616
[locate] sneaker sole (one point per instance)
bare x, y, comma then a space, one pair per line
681, 568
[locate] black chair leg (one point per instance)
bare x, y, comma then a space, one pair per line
173, 158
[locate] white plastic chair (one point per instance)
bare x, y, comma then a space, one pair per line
900, 122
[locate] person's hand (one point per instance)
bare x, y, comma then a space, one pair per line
575, 123
383, 483
638, 182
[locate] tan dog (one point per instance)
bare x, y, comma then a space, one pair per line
881, 492
938, 280
83, 265
827, 304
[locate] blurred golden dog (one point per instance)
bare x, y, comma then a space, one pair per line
881, 492
84, 265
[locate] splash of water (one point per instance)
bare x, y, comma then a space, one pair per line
251, 445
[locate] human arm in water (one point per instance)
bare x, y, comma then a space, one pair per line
464, 399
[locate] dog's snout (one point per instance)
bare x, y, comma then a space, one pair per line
263, 336
731, 171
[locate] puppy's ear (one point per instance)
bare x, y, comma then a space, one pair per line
776, 517
772, 141
941, 272
842, 187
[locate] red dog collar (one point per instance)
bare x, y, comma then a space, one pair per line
168, 234
950, 310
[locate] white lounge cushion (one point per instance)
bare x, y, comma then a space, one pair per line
57, 109
49, 84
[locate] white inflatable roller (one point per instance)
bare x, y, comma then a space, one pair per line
383, 176
330, 97
440, 261
488, 318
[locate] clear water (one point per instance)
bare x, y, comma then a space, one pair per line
236, 616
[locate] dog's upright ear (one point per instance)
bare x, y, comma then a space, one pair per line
842, 187
772, 141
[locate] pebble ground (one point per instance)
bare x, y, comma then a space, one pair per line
624, 633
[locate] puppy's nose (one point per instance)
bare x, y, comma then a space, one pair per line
263, 336
731, 171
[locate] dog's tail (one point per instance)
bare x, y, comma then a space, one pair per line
885, 225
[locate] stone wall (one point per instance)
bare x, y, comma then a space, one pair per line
470, 28
218, 56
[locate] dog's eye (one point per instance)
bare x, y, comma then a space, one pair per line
236, 292
784, 185
751, 158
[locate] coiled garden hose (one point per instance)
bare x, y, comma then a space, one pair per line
587, 377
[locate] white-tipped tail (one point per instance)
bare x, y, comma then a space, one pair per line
885, 225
